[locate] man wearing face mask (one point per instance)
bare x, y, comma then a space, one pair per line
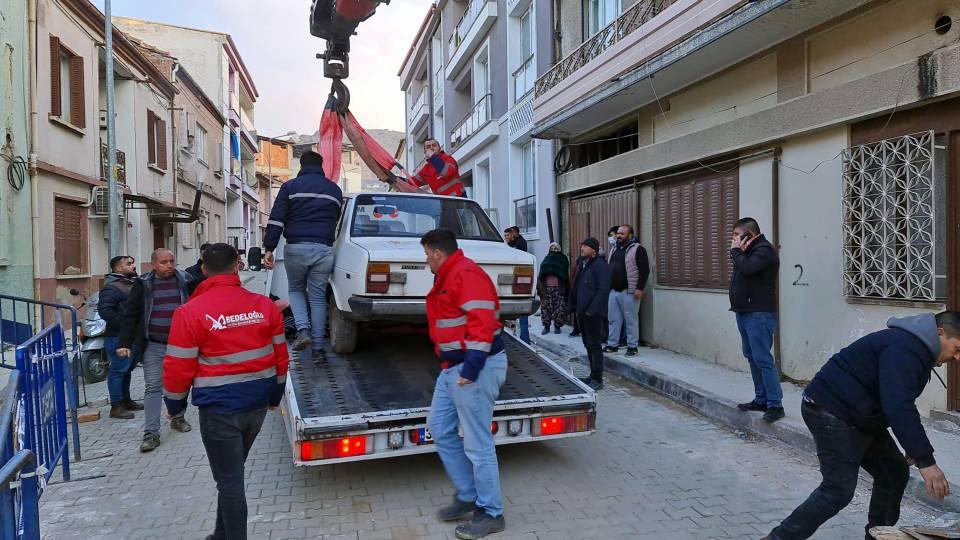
629, 271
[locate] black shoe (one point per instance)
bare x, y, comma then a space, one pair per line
302, 340
556, 330
575, 334
456, 511
132, 405
632, 351
150, 442
585, 380
481, 525
118, 411
545, 331
319, 356
752, 406
610, 349
596, 385
179, 423
773, 414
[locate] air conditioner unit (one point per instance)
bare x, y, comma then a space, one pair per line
101, 204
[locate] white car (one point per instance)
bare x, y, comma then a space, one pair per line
380, 272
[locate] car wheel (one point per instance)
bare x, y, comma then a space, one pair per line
94, 365
343, 332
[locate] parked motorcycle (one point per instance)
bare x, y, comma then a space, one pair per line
94, 361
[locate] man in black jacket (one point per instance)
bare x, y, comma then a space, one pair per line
516, 240
196, 271
865, 388
753, 297
588, 298
111, 305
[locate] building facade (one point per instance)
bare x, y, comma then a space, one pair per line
469, 80
16, 252
215, 63
835, 124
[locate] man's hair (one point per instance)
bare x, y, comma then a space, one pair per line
514, 228
629, 228
204, 246
431, 139
156, 253
442, 239
117, 260
613, 230
950, 322
311, 159
220, 259
749, 224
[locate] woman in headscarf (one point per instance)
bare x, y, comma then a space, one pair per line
552, 285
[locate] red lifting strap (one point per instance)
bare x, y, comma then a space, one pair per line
379, 160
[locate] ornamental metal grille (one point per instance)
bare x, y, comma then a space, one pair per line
889, 225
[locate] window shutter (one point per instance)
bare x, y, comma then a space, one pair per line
161, 144
78, 116
151, 139
68, 235
55, 99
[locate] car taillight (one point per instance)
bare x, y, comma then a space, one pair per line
556, 425
379, 278
334, 448
522, 279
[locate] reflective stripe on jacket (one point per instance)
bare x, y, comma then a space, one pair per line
463, 312
441, 174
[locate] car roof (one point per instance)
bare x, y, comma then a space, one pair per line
401, 194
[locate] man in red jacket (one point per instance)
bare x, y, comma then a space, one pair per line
228, 344
462, 311
440, 171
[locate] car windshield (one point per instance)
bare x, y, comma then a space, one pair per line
414, 215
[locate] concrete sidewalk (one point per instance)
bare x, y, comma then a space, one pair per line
714, 390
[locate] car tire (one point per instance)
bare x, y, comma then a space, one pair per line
94, 365
343, 332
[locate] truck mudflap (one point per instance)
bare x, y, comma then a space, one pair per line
366, 408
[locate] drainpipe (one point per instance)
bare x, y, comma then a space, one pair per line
34, 139
775, 237
430, 88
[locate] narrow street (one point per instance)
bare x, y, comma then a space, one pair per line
652, 470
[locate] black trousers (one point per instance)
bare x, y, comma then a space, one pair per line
591, 331
842, 450
227, 439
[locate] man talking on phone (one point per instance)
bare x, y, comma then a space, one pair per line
753, 298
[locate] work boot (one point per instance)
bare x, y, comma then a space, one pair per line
752, 406
302, 340
556, 330
319, 356
150, 442
632, 351
545, 331
118, 411
456, 511
132, 405
596, 385
481, 525
575, 333
179, 423
610, 349
773, 414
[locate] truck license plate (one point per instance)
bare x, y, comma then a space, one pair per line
425, 437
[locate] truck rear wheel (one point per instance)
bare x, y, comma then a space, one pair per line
343, 332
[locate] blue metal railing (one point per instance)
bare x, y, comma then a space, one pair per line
19, 502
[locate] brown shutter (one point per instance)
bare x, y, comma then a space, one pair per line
161, 144
731, 213
68, 235
55, 98
151, 140
78, 114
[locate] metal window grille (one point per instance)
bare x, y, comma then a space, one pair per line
889, 219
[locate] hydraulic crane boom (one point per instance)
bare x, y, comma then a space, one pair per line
335, 21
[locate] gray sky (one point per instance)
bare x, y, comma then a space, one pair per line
276, 45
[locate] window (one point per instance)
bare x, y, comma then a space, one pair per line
201, 145
66, 85
603, 146
525, 207
694, 218
525, 75
156, 141
412, 216
894, 210
597, 14
70, 237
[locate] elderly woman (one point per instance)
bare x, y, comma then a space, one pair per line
552, 285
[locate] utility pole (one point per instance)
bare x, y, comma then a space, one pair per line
113, 201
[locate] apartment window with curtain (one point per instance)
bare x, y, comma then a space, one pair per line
156, 141
201, 145
525, 206
524, 75
67, 100
597, 14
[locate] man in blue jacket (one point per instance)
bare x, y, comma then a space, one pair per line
306, 212
865, 388
588, 298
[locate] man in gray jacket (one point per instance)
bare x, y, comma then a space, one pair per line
629, 271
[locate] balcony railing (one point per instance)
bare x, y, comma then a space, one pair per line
418, 106
524, 78
631, 19
463, 27
472, 122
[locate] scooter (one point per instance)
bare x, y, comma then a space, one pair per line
94, 361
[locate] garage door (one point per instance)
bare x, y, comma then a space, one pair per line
593, 215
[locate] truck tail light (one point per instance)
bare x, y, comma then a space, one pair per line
557, 425
379, 278
334, 448
522, 280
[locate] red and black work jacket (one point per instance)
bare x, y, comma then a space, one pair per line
464, 315
441, 174
228, 344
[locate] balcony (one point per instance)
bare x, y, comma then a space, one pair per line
469, 33
521, 118
419, 111
438, 91
474, 131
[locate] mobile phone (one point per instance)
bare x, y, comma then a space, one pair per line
745, 236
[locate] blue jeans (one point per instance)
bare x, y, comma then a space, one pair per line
308, 269
623, 311
756, 333
118, 380
470, 462
524, 328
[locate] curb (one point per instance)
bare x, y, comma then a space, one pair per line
725, 411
